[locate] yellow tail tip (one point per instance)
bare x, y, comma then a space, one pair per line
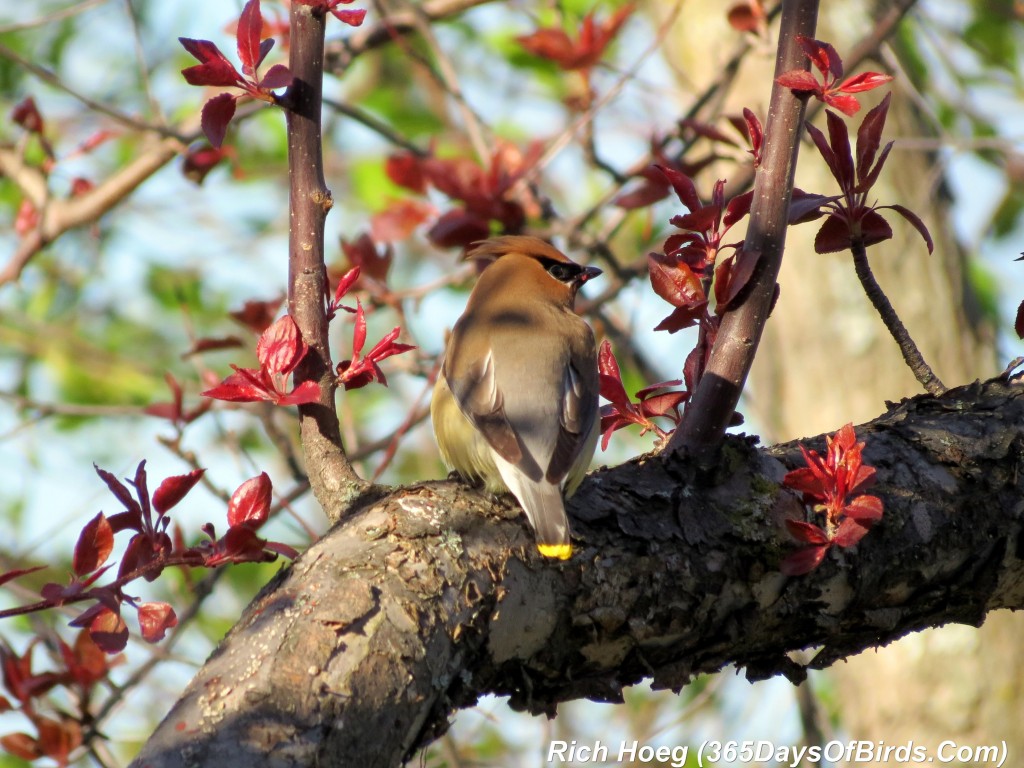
556, 551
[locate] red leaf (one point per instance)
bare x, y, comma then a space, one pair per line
1018, 324
746, 17
799, 80
869, 136
825, 150
173, 489
839, 141
869, 180
805, 480
155, 619
646, 194
849, 532
666, 404
833, 236
109, 631
406, 170
21, 745
248, 34
683, 187
358, 330
7, 576
611, 386
351, 17
755, 133
27, 115
682, 318
212, 345
806, 206
94, 545
913, 218
822, 55
85, 662
257, 315
281, 347
803, 560
242, 386
282, 549
699, 220
863, 82
278, 76
346, 282
217, 113
119, 490
737, 208
809, 533
399, 220
458, 227
215, 68
732, 275
306, 392
864, 509
250, 503
848, 105
875, 229
675, 283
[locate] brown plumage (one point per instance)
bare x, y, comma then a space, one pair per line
515, 404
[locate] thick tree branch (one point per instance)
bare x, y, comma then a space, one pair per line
712, 406
422, 602
333, 479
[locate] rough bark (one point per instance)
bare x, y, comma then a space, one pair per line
431, 597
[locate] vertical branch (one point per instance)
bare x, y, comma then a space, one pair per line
714, 402
331, 475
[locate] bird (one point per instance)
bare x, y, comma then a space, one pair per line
515, 404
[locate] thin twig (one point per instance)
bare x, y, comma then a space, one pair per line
911, 354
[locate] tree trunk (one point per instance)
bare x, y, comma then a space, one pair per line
420, 603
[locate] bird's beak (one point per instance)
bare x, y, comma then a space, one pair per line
589, 273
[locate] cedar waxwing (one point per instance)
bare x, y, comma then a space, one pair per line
515, 403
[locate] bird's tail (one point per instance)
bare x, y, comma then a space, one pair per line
542, 502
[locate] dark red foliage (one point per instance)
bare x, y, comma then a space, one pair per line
486, 196
832, 89
834, 487
214, 69
621, 411
361, 369
850, 217
554, 44
279, 350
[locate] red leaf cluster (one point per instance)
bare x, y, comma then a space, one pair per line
651, 403
485, 194
833, 89
279, 350
554, 43
248, 509
79, 668
362, 369
214, 69
690, 259
835, 486
851, 218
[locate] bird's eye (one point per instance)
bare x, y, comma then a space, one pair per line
564, 273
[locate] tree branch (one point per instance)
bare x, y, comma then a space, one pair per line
712, 406
333, 479
422, 602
